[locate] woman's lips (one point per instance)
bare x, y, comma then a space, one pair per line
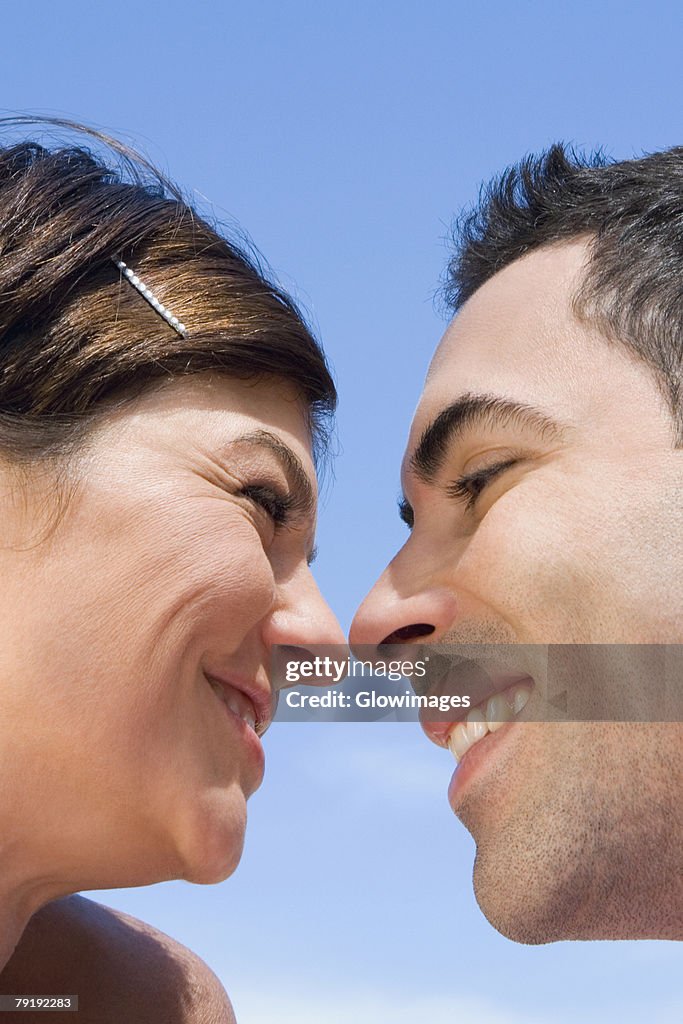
247, 699
236, 701
241, 715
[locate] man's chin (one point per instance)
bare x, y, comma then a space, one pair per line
569, 845
514, 922
518, 927
533, 911
524, 911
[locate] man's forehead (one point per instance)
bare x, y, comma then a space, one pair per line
516, 337
514, 312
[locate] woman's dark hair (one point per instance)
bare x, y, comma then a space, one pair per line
630, 212
77, 339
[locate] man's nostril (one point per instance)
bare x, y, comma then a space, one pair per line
407, 633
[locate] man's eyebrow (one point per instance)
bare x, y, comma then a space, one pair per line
476, 410
303, 496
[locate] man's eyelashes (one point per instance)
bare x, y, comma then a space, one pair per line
469, 487
466, 489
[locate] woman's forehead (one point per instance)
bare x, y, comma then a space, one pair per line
217, 410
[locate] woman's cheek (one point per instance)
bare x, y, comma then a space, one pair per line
208, 562
234, 570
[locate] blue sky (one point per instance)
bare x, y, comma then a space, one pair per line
343, 138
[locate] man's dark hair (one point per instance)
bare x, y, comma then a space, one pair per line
630, 212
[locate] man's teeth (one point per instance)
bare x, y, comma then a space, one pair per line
499, 709
235, 705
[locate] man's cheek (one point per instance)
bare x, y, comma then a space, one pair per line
541, 573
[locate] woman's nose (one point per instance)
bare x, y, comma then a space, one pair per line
301, 628
395, 612
302, 617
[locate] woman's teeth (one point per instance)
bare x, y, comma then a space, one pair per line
238, 705
499, 709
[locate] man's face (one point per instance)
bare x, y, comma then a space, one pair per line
545, 499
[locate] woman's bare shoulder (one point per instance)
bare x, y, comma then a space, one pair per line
120, 968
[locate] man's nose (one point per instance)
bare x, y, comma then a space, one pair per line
397, 612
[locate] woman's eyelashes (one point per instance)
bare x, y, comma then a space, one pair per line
276, 504
405, 512
469, 487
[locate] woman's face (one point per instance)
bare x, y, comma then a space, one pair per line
181, 557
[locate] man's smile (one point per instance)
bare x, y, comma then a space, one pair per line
482, 720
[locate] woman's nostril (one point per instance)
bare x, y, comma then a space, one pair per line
407, 633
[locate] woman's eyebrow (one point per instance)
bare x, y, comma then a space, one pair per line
477, 410
302, 493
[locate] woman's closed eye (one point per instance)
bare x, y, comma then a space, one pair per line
470, 486
275, 504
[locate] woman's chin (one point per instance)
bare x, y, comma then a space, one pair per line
213, 839
200, 841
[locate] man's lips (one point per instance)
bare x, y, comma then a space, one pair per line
504, 699
477, 760
476, 736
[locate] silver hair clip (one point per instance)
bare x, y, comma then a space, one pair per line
151, 298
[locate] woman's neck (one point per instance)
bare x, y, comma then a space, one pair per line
13, 921
20, 897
